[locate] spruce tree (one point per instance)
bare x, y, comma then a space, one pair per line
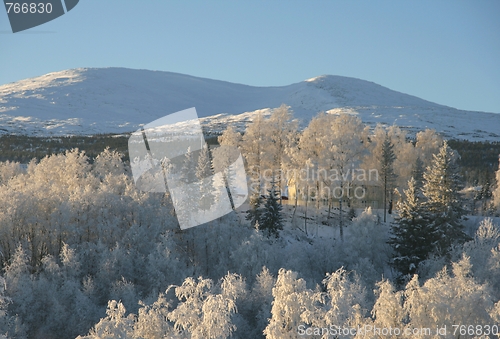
413, 236
271, 221
418, 173
486, 195
386, 168
486, 192
442, 183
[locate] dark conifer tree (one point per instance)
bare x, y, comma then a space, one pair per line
413, 237
386, 168
418, 173
271, 221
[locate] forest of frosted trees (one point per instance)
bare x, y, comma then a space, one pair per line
86, 254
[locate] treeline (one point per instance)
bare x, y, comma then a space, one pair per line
478, 160
24, 148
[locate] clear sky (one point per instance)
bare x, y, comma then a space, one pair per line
444, 51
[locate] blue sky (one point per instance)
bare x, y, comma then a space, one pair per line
447, 52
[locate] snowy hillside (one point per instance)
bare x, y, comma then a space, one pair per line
116, 100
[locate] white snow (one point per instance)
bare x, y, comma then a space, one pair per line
119, 100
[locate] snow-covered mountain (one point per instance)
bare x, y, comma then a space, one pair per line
117, 100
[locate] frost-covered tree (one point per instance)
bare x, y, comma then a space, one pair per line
342, 304
202, 310
230, 137
388, 312
115, 325
192, 294
262, 298
441, 187
280, 132
428, 143
38, 204
204, 313
387, 173
405, 153
310, 162
9, 170
484, 253
10, 326
374, 147
344, 151
254, 213
190, 192
367, 239
291, 300
152, 320
345, 299
57, 289
108, 163
190, 197
413, 236
252, 147
449, 299
224, 156
204, 171
271, 220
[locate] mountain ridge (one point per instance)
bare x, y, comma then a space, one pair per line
120, 100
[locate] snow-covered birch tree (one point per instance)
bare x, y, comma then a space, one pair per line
345, 149
280, 133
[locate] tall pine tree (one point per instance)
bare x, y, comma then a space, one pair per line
386, 168
418, 173
441, 187
413, 237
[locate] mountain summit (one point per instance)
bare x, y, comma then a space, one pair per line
118, 100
